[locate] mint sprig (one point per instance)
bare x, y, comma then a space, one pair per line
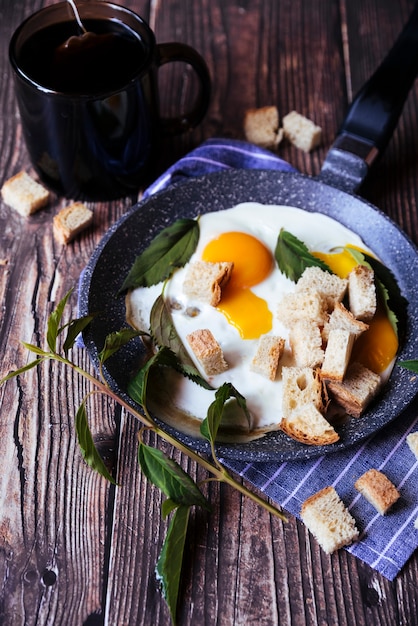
293, 256
171, 248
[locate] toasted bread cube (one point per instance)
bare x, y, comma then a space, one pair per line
337, 354
23, 194
357, 390
301, 386
412, 440
306, 343
343, 318
307, 425
207, 351
378, 490
204, 281
330, 286
301, 131
71, 221
328, 519
362, 293
261, 127
302, 305
266, 359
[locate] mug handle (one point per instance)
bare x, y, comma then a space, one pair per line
173, 51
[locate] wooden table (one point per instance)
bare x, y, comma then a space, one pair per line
75, 550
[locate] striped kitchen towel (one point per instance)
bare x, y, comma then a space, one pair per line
386, 542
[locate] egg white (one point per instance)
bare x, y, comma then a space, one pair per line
264, 397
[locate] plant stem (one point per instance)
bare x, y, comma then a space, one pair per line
218, 472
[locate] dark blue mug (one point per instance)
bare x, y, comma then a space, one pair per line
89, 104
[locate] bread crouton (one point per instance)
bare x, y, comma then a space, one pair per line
266, 359
343, 318
330, 286
302, 305
301, 385
71, 220
412, 440
362, 293
306, 342
301, 131
328, 519
207, 351
261, 127
378, 490
307, 425
204, 281
356, 391
337, 354
23, 194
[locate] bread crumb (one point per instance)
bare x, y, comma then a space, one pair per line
412, 440
205, 281
207, 351
306, 342
301, 131
23, 194
362, 293
307, 425
301, 386
71, 220
330, 287
261, 127
337, 354
378, 490
343, 318
266, 359
356, 391
328, 519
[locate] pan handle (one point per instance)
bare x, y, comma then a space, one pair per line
374, 113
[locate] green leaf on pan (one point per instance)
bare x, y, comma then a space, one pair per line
118, 339
75, 327
171, 248
86, 443
210, 425
411, 365
169, 477
165, 334
293, 257
54, 321
170, 561
137, 387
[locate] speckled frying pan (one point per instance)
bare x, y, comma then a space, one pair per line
362, 138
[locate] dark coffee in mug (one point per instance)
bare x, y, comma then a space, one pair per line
90, 108
104, 59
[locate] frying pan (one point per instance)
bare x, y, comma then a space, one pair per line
361, 140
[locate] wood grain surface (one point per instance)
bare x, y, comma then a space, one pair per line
75, 550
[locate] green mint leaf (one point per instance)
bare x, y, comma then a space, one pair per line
170, 561
169, 477
165, 334
293, 257
21, 370
87, 447
137, 387
75, 327
34, 349
410, 365
210, 425
118, 339
171, 248
54, 321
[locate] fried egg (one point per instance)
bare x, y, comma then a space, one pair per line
247, 235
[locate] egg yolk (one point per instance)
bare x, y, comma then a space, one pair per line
253, 263
376, 347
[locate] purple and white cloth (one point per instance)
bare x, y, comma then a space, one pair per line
386, 542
